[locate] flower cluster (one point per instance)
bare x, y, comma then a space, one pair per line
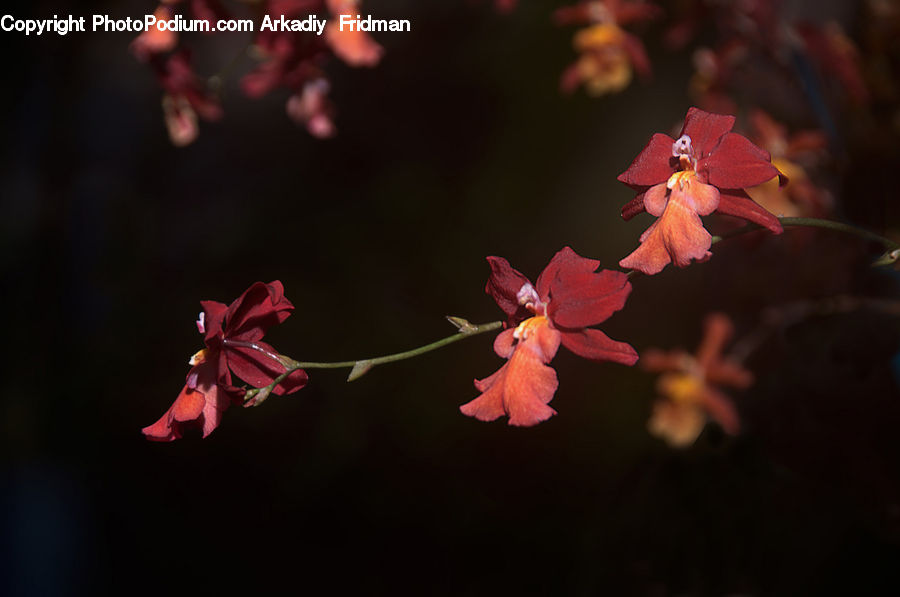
294, 60
701, 172
706, 169
608, 55
233, 338
687, 386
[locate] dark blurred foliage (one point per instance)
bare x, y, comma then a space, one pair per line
457, 146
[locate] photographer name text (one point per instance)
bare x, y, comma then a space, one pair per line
178, 24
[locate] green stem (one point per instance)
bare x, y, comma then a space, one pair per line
359, 366
473, 330
887, 243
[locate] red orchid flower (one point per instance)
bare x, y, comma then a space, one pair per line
688, 393
232, 335
705, 170
570, 296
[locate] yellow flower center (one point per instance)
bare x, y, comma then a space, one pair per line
198, 357
529, 326
682, 388
597, 37
682, 179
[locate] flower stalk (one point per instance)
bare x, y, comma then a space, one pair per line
360, 367
887, 243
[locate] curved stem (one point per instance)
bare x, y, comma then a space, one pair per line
360, 366
471, 330
887, 243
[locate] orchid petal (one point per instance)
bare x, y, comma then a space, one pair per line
583, 300
655, 199
524, 386
504, 285
736, 203
653, 165
260, 307
705, 129
565, 263
215, 315
504, 343
634, 207
595, 345
736, 163
721, 410
678, 424
677, 236
259, 370
718, 330
659, 361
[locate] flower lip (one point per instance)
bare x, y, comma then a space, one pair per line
201, 322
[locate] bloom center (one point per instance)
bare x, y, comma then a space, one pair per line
682, 179
199, 357
598, 37
684, 151
529, 327
682, 388
529, 298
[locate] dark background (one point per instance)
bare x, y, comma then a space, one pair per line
456, 147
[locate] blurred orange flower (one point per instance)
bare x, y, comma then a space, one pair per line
608, 54
792, 155
688, 396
